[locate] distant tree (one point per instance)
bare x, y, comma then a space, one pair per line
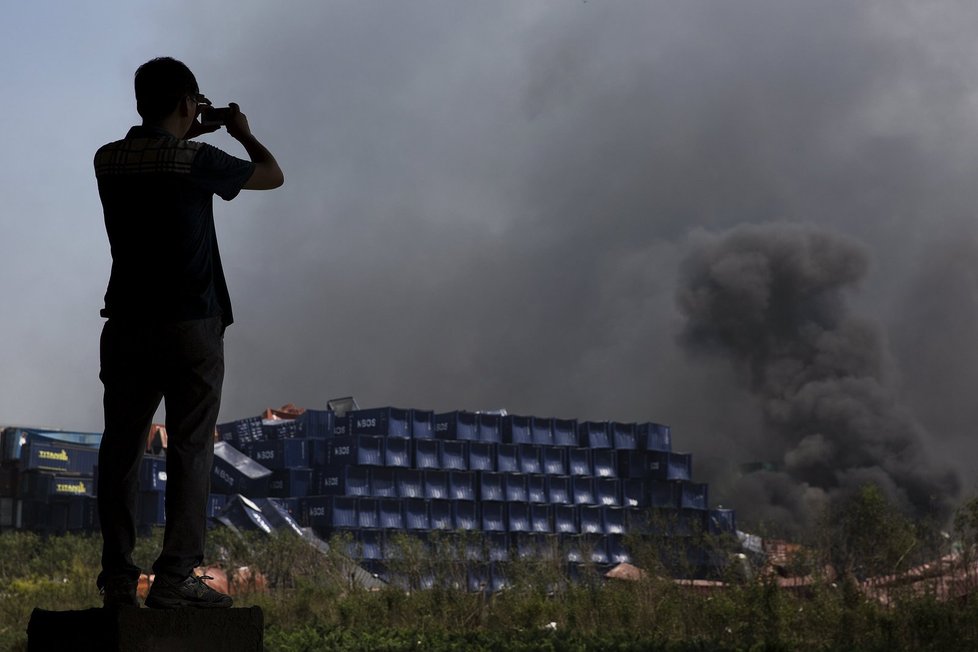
864, 535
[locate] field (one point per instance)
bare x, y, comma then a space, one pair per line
310, 602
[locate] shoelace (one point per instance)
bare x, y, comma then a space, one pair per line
117, 588
202, 586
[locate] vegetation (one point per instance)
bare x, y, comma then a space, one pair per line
311, 602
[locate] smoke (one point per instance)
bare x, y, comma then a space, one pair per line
772, 300
486, 203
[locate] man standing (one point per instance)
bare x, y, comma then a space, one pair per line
167, 306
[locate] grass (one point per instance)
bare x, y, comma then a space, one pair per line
311, 604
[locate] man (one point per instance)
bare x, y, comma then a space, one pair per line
167, 306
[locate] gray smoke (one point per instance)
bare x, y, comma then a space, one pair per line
486, 203
772, 299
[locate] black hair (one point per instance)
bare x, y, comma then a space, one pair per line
161, 84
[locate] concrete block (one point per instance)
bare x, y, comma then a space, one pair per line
129, 629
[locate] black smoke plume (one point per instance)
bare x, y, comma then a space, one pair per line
772, 300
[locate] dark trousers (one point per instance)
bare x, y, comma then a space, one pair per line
181, 363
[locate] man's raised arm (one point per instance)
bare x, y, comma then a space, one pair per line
267, 174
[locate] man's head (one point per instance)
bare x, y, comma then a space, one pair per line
164, 85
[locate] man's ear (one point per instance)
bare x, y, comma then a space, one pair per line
185, 108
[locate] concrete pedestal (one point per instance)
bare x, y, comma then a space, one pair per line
130, 629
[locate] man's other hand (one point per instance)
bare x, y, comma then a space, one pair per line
237, 124
198, 129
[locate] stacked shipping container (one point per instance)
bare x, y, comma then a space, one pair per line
521, 485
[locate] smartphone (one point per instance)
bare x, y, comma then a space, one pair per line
215, 116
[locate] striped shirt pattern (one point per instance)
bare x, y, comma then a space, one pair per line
146, 156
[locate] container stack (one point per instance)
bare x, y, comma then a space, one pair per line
515, 486
512, 486
47, 482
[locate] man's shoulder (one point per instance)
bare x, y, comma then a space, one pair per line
146, 154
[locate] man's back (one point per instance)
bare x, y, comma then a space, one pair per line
156, 193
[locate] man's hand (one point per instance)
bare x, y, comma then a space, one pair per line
237, 124
198, 129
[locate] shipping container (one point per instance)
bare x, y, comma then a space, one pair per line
515, 487
566, 433
579, 461
559, 490
490, 428
518, 517
440, 514
554, 460
427, 454
465, 515
390, 514
343, 481
654, 437
594, 434
491, 486
383, 421
482, 456
397, 452
453, 455
591, 519
422, 424
623, 435
536, 488
383, 483
285, 483
152, 473
507, 458
281, 453
541, 518
241, 432
436, 484
362, 450
493, 516
317, 424
234, 472
457, 425
462, 485
528, 456
61, 457
410, 483
541, 431
274, 429
516, 430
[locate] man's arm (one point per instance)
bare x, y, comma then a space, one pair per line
267, 174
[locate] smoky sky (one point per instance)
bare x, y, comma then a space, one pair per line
771, 300
487, 203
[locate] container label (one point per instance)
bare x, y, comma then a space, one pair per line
73, 488
225, 476
61, 456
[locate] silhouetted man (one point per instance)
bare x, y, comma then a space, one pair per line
167, 306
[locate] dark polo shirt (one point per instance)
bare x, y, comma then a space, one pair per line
157, 197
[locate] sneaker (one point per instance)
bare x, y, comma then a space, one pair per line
191, 592
118, 591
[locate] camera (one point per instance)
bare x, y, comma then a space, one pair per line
215, 116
